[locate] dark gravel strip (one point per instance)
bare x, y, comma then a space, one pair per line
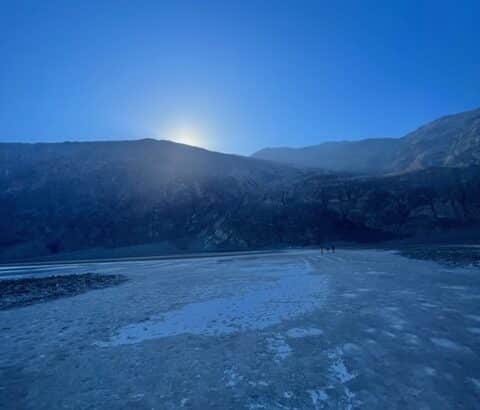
462, 256
21, 292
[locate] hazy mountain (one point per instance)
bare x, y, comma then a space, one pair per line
57, 198
451, 141
364, 156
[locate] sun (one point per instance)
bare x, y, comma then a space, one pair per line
188, 139
186, 132
187, 136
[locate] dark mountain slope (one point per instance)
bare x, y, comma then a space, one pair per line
58, 197
452, 141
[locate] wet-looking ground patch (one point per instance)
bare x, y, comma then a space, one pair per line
27, 291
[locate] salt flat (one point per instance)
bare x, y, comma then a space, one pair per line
355, 329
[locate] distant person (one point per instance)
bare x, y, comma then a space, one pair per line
321, 249
333, 248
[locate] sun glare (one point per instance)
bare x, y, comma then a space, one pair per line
189, 139
187, 136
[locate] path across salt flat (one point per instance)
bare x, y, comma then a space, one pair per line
354, 329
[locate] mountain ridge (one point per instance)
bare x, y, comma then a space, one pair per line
451, 140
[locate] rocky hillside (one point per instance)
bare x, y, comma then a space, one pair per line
58, 198
62, 197
452, 141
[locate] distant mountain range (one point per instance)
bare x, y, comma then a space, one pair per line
452, 141
125, 198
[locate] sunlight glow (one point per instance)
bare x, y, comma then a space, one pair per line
187, 136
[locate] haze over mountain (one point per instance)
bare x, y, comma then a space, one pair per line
452, 141
158, 196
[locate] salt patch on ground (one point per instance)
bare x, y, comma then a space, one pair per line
279, 347
446, 343
430, 371
232, 378
297, 332
338, 368
318, 396
294, 292
454, 287
476, 383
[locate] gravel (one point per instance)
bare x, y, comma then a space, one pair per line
21, 292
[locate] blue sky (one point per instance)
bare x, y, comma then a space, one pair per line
234, 76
